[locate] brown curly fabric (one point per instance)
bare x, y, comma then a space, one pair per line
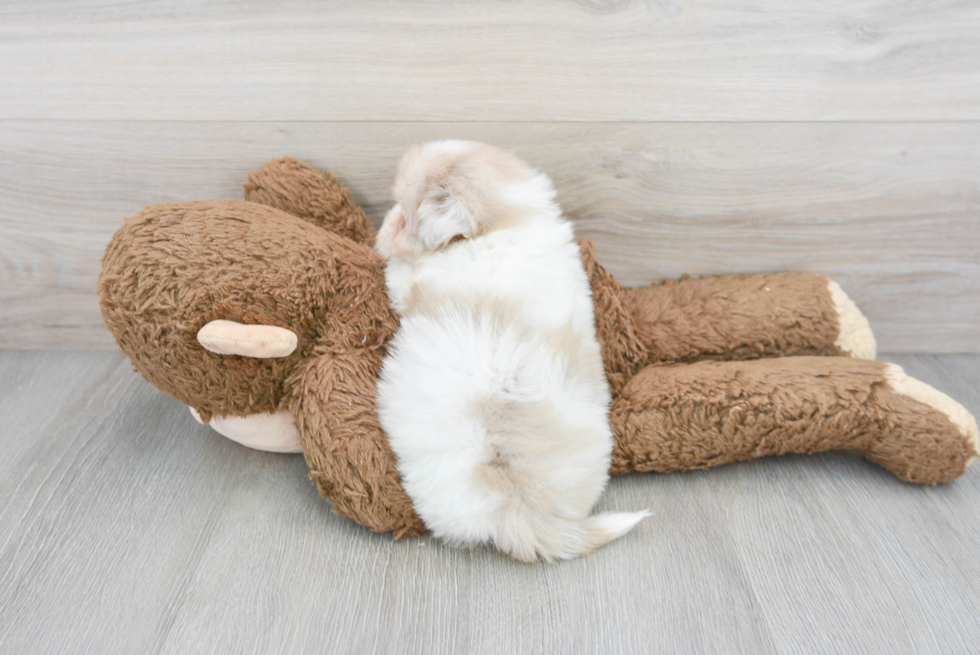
690, 416
302, 190
623, 352
735, 317
332, 399
173, 268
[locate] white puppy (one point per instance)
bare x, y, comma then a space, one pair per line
493, 393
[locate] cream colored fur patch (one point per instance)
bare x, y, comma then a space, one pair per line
922, 392
855, 336
261, 341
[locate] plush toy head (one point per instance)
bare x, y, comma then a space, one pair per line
299, 260
252, 265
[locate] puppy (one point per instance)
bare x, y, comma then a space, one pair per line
493, 392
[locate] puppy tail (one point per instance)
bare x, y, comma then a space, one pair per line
550, 538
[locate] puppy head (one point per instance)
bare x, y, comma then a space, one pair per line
452, 190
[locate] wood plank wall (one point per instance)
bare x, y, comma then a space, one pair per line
699, 137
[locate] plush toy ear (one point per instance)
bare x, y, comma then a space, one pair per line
443, 216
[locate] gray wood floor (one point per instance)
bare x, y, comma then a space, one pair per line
126, 527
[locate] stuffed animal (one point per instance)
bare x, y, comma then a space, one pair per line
269, 318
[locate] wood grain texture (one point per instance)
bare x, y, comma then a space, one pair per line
892, 211
586, 60
127, 527
835, 560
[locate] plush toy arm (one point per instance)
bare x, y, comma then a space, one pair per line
299, 189
689, 416
331, 398
749, 317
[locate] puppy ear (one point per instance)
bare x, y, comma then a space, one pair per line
443, 216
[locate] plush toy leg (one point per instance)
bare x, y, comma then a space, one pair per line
749, 317
332, 396
302, 190
689, 416
275, 433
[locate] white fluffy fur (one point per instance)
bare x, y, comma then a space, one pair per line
493, 393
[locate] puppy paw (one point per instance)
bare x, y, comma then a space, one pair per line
854, 337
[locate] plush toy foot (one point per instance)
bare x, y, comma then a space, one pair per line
275, 433
681, 417
927, 452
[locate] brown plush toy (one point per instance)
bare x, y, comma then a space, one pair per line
270, 320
